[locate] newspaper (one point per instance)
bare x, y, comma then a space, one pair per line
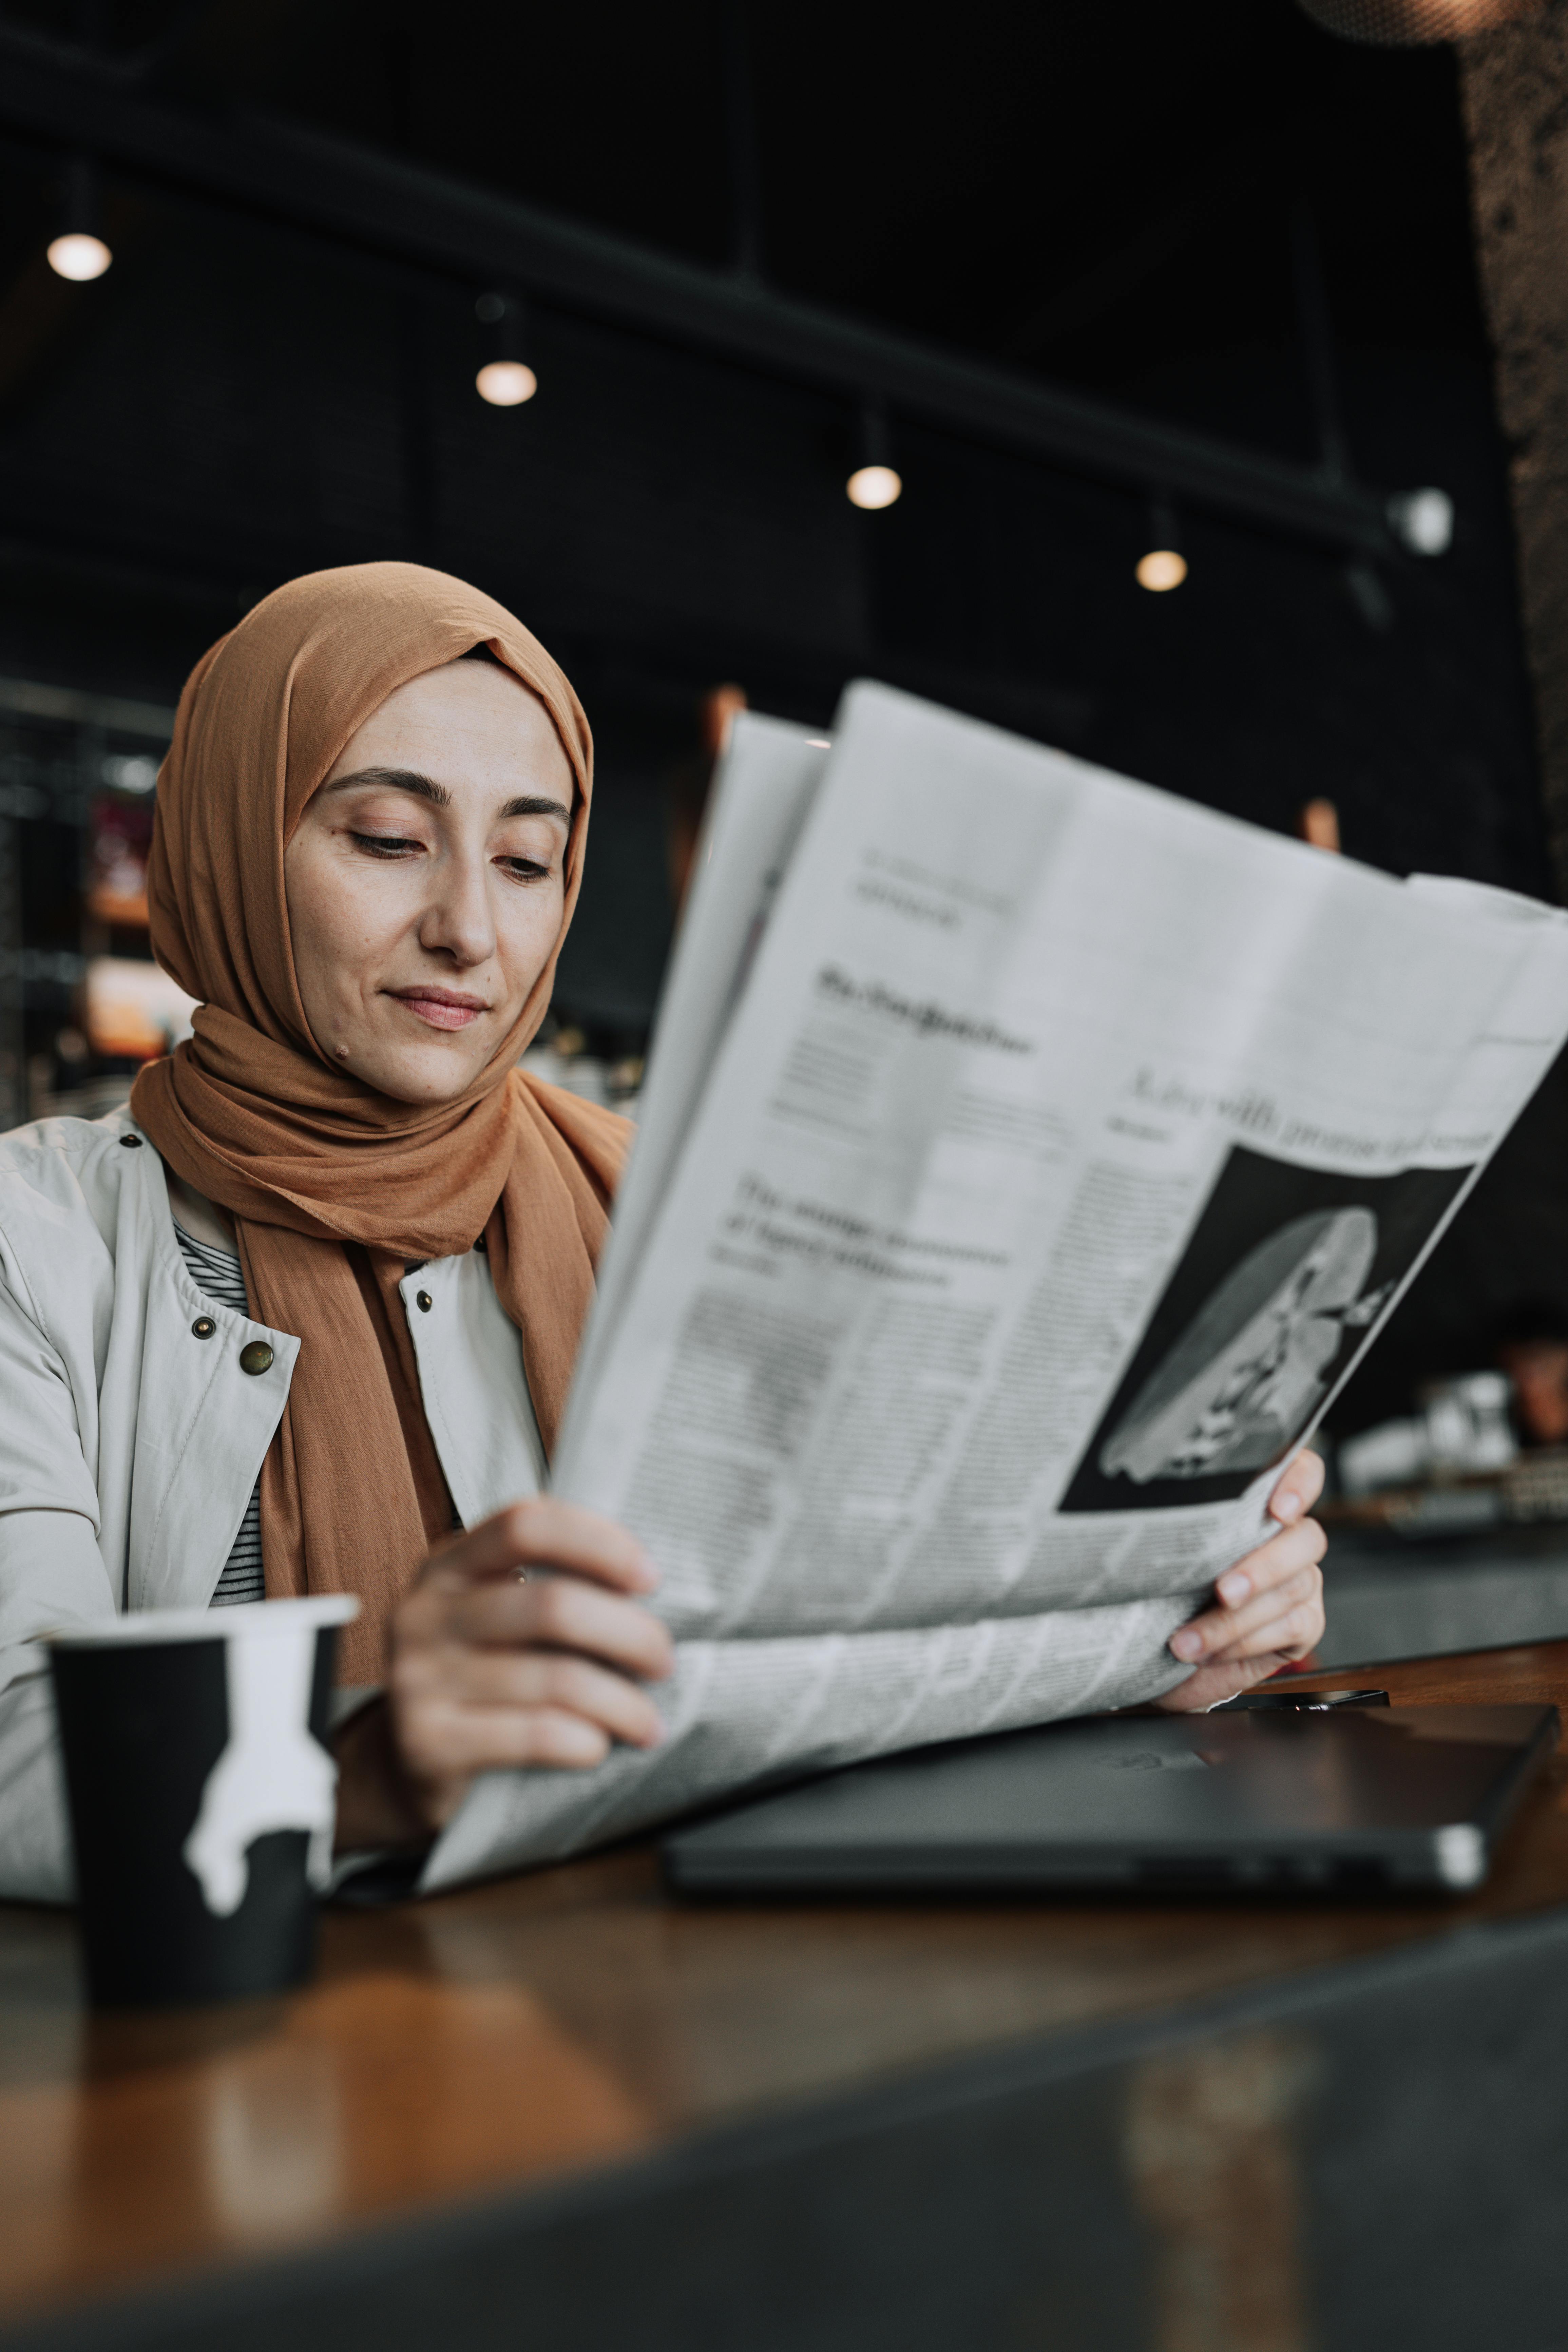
1027, 1158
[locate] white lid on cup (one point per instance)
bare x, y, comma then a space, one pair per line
249, 1619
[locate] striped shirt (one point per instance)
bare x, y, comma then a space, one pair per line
216, 1274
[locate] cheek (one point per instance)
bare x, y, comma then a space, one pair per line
526, 930
340, 912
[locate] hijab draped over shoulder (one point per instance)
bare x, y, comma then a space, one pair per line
336, 1189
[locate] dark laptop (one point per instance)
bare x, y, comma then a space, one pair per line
1351, 1801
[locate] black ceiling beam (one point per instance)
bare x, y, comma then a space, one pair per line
360, 197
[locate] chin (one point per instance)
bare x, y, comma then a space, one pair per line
430, 1078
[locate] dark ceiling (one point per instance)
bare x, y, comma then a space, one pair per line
1094, 196
1090, 191
1098, 196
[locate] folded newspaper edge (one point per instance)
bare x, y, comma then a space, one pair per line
1027, 1158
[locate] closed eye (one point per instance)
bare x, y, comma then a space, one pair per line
383, 845
524, 869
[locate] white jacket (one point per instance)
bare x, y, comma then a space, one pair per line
129, 1445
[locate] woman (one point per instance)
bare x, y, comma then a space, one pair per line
305, 1318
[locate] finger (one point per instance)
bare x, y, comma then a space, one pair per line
1298, 1603
1295, 1632
1298, 1487
1272, 1562
554, 1534
486, 1681
470, 1741
564, 1613
1251, 1584
1226, 1628
544, 1532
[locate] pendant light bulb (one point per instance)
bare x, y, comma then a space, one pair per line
78, 255
1162, 568
875, 482
505, 380
506, 383
79, 252
874, 487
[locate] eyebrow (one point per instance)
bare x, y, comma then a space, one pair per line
425, 788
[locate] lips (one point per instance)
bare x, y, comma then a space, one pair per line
441, 1008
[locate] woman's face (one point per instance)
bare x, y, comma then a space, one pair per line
425, 880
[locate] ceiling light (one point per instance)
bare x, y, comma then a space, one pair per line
1160, 568
873, 487
78, 255
79, 252
505, 378
1423, 520
874, 483
506, 383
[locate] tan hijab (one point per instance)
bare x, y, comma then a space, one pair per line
307, 1158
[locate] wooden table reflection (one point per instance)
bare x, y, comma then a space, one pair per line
562, 2027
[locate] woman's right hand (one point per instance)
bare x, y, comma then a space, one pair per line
520, 1643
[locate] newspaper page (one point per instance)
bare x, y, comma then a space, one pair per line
1052, 1149
760, 801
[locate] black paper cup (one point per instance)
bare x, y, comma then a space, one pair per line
203, 1795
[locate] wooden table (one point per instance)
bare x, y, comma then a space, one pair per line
563, 2110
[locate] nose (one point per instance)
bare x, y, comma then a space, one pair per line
459, 922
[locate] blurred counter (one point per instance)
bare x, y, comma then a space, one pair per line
1393, 1596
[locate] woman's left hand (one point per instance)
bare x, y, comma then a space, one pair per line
1270, 1609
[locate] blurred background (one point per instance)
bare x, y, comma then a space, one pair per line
1182, 336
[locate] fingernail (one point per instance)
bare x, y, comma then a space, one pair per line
1186, 1643
647, 1570
1234, 1587
1286, 1508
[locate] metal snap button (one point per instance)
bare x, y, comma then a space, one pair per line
424, 1302
131, 1142
255, 1357
203, 1327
